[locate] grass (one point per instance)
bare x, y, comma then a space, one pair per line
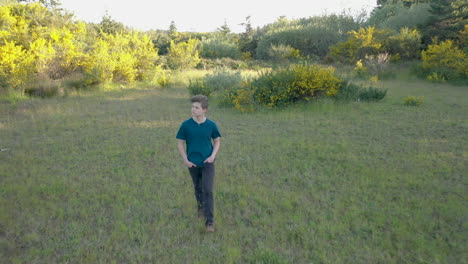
96, 178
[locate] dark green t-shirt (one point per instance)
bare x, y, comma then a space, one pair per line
198, 139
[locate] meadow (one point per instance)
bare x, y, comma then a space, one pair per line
95, 177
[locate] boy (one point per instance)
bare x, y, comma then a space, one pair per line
196, 133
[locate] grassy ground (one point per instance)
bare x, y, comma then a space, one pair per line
96, 178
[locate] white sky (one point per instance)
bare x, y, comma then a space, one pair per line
206, 15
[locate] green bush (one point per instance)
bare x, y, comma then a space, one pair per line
372, 94
44, 87
352, 92
207, 64
199, 87
219, 48
396, 16
348, 92
297, 82
283, 52
223, 79
311, 36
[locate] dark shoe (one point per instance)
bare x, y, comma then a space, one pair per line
210, 228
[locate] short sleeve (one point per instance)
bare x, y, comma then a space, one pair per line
181, 133
215, 132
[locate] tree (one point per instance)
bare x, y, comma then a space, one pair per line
448, 17
183, 55
247, 42
224, 30
110, 26
46, 3
407, 3
173, 34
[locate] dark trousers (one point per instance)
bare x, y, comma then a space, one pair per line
203, 178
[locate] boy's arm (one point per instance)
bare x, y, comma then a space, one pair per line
217, 143
181, 148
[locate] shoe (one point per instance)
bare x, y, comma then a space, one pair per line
201, 214
210, 228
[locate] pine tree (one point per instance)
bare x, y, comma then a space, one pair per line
173, 34
224, 30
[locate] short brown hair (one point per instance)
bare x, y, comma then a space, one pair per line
203, 100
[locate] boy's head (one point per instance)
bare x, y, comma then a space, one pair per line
203, 100
199, 105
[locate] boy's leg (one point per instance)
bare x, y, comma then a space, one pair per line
196, 174
208, 172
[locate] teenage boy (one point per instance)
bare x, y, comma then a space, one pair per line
197, 134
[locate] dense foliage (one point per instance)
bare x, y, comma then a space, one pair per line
41, 43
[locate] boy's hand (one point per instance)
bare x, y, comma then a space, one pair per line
189, 164
210, 159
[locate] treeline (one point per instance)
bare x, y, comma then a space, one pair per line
39, 42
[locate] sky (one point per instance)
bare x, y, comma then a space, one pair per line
207, 15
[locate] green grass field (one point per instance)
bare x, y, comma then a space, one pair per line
96, 178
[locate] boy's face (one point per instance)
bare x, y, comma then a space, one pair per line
197, 110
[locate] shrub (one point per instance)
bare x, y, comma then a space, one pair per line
365, 41
298, 82
219, 48
377, 64
397, 15
311, 36
436, 77
353, 92
207, 64
372, 94
348, 92
413, 100
445, 61
240, 97
225, 98
74, 81
283, 52
406, 44
361, 70
99, 66
124, 70
44, 87
66, 53
16, 66
199, 87
183, 55
223, 79
163, 79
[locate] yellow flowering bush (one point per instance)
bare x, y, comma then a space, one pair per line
37, 43
413, 100
183, 55
365, 41
298, 82
243, 99
122, 57
16, 65
446, 61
